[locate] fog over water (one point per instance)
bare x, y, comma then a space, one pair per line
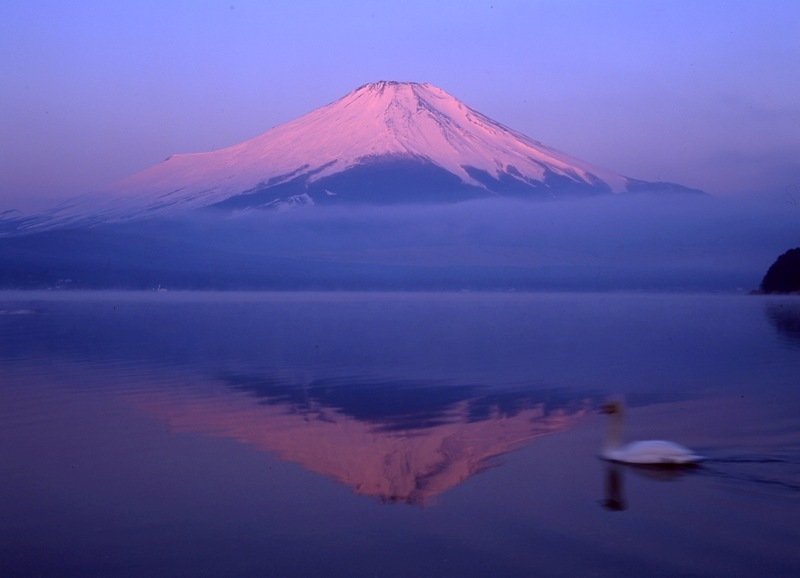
641, 242
603, 243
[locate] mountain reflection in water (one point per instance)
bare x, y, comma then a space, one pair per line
398, 440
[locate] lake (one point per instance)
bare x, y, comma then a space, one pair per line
395, 434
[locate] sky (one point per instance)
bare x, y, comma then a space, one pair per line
705, 93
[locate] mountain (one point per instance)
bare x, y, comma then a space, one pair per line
433, 442
394, 158
384, 143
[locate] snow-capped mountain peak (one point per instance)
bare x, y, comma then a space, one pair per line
378, 120
385, 142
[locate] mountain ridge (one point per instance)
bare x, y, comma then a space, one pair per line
376, 123
386, 142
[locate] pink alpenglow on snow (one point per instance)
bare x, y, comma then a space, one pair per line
384, 143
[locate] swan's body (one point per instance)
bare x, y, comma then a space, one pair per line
651, 452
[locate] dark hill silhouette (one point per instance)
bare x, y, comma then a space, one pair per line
783, 275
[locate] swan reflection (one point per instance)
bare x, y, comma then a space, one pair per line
614, 481
399, 441
615, 494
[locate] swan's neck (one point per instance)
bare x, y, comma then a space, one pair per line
614, 435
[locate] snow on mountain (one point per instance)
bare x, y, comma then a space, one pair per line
380, 119
385, 142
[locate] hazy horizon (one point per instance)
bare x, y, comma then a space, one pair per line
681, 243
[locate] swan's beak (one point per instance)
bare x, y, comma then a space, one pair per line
608, 408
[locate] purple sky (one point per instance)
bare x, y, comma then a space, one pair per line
705, 93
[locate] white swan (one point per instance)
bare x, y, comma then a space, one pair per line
651, 452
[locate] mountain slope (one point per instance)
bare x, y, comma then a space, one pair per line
378, 122
384, 142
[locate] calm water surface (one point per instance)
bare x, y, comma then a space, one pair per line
169, 434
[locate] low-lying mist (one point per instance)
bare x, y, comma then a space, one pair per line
603, 243
606, 243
